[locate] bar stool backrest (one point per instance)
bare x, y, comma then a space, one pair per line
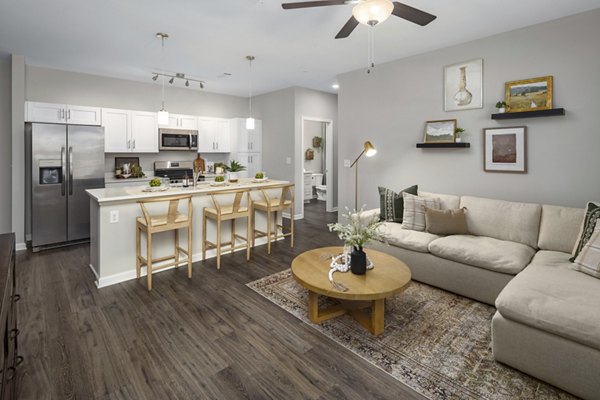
237, 200
172, 210
286, 194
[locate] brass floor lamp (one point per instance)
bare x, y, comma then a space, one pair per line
369, 151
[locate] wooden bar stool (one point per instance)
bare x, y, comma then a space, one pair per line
231, 212
274, 204
172, 221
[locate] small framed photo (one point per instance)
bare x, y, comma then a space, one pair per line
463, 85
505, 149
529, 94
440, 131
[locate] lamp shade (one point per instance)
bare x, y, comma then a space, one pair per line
370, 150
163, 117
250, 123
372, 12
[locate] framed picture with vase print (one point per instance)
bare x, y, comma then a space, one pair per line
463, 85
505, 149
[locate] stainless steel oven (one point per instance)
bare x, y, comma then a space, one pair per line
177, 139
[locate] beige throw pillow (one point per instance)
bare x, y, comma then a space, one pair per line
588, 259
413, 217
446, 222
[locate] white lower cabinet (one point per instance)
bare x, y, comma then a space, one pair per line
128, 131
308, 184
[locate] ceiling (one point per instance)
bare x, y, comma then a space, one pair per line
209, 38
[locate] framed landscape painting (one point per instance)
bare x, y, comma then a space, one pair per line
440, 131
463, 85
505, 149
529, 94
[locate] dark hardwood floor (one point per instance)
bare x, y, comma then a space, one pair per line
208, 338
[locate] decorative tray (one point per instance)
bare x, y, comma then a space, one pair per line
155, 189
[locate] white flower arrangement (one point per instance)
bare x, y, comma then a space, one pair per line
357, 232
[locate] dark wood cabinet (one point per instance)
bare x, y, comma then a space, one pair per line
9, 356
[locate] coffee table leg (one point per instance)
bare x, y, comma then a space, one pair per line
313, 307
377, 319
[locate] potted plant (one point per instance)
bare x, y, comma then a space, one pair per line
458, 132
356, 234
233, 168
501, 106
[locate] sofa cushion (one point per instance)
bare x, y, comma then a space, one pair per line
559, 228
447, 201
407, 239
483, 252
550, 296
588, 260
592, 214
504, 220
446, 222
391, 204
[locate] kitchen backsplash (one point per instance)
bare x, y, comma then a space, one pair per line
147, 159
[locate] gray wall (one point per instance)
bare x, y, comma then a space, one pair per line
6, 140
312, 129
390, 107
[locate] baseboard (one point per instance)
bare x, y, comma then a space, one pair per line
20, 247
28, 237
296, 216
334, 209
129, 275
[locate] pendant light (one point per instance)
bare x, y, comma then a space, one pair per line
250, 123
163, 115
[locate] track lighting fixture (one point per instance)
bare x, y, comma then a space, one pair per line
179, 75
172, 80
155, 77
187, 83
201, 85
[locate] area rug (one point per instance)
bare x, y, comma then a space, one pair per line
435, 342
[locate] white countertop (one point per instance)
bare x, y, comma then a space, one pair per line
134, 193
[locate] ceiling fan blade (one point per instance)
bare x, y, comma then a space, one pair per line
412, 14
347, 28
309, 4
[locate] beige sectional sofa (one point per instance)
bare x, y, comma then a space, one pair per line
516, 258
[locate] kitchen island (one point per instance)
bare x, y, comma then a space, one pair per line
113, 213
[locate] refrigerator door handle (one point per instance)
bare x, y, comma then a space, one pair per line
63, 168
70, 170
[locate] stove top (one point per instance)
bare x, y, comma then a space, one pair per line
174, 170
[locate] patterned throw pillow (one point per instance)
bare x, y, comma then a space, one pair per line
391, 204
414, 211
588, 260
592, 214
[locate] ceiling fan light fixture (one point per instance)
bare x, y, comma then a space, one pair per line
372, 12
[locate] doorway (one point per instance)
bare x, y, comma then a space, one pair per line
317, 164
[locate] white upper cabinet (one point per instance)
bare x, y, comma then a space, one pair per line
246, 141
128, 131
179, 121
117, 128
62, 113
214, 135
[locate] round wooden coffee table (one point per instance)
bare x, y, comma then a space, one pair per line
389, 277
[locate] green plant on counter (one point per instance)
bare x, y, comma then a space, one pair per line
219, 178
155, 182
259, 175
234, 166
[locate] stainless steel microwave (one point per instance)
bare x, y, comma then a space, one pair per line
177, 139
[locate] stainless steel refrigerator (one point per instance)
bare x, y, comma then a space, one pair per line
66, 160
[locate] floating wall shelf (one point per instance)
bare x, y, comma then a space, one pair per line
529, 114
461, 145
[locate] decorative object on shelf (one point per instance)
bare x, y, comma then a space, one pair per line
250, 122
163, 115
440, 131
505, 149
369, 151
317, 141
357, 234
529, 94
232, 169
178, 75
463, 85
310, 154
530, 114
458, 133
501, 106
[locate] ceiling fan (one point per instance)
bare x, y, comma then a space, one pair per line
368, 12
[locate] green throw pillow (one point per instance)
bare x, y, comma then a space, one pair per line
592, 214
392, 203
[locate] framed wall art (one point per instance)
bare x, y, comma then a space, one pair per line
529, 94
440, 131
505, 149
463, 85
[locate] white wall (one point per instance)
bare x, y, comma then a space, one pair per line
6, 140
390, 107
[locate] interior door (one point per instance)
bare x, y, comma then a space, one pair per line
85, 170
48, 184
